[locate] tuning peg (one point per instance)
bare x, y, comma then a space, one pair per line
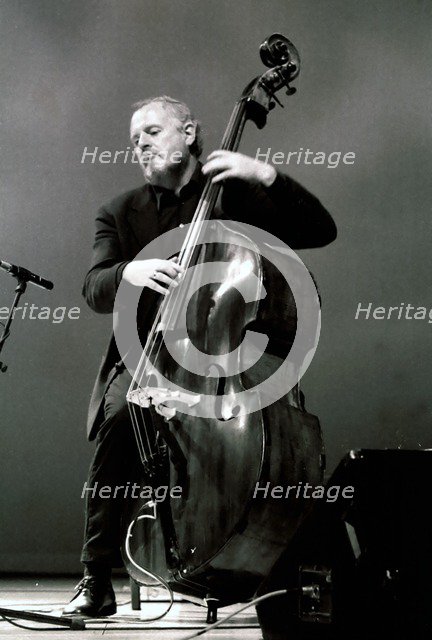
290, 90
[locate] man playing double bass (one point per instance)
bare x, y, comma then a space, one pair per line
168, 143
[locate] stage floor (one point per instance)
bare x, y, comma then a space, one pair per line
49, 594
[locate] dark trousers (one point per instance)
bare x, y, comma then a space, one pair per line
115, 462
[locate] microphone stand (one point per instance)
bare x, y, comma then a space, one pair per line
23, 276
73, 622
22, 286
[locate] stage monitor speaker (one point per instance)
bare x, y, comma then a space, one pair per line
360, 565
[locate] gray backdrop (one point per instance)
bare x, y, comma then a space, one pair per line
70, 71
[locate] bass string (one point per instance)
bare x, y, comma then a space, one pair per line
205, 206
230, 142
190, 242
145, 455
210, 194
153, 347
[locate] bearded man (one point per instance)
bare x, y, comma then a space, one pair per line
168, 143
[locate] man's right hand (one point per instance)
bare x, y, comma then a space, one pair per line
150, 273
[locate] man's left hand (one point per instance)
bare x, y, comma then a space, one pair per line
229, 164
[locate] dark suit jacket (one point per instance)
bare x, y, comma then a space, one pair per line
132, 220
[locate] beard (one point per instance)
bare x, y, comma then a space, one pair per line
154, 167
157, 166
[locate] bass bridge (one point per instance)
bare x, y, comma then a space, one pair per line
165, 401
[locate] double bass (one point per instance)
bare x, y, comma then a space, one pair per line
204, 430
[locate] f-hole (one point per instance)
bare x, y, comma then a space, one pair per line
220, 392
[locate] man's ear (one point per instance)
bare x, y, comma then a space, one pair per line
190, 132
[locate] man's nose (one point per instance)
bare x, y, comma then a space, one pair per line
144, 141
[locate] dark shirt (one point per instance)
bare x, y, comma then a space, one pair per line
129, 222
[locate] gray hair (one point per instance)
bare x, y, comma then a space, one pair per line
182, 113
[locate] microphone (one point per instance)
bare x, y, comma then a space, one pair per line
27, 276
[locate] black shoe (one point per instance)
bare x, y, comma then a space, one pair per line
94, 598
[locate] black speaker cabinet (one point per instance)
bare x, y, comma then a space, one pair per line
360, 565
